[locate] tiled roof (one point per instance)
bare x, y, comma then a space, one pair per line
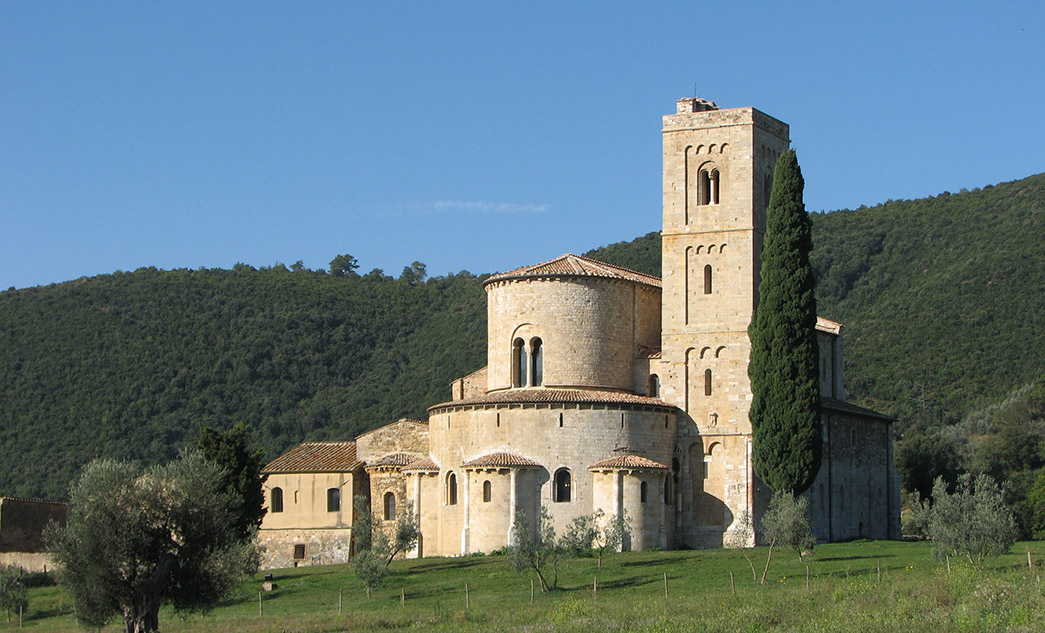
425, 464
316, 457
845, 407
570, 265
648, 352
555, 396
627, 462
396, 459
500, 460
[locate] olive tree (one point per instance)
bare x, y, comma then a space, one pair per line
138, 538
786, 523
13, 593
973, 521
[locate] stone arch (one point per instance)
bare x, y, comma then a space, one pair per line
562, 486
711, 148
704, 351
721, 248
723, 147
451, 488
390, 506
719, 350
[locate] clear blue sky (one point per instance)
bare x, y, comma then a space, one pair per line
469, 136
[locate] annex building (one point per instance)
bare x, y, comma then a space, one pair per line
607, 389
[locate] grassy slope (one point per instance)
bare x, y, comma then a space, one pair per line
915, 594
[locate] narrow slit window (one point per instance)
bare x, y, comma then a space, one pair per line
707, 382
333, 500
707, 279
277, 500
390, 506
643, 492
714, 186
487, 491
653, 389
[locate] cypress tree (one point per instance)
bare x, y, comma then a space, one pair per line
785, 417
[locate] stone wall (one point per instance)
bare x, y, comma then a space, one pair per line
554, 436
302, 548
402, 436
590, 329
22, 523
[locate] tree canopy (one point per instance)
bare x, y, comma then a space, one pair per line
242, 479
139, 538
785, 417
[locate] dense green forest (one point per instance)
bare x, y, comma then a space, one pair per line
942, 299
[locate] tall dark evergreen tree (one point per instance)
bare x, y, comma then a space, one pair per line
243, 479
785, 416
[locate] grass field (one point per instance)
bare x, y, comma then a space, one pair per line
844, 593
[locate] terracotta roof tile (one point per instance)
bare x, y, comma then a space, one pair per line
570, 265
500, 460
627, 462
396, 459
845, 407
425, 464
316, 457
556, 396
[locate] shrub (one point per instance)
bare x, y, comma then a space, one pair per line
974, 521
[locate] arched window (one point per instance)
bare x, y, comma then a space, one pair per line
563, 483
643, 492
653, 388
536, 362
707, 279
707, 382
333, 500
390, 506
667, 490
714, 186
519, 363
704, 187
277, 500
451, 489
487, 491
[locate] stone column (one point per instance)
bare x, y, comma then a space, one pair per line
512, 478
464, 512
662, 537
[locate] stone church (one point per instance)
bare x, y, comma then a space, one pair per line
607, 389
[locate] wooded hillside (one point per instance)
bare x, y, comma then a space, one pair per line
941, 297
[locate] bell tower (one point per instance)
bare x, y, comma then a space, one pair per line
718, 173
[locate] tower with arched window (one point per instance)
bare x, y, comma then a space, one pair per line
608, 391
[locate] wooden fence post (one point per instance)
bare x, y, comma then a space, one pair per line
665, 585
467, 602
261, 609
531, 591
339, 600
732, 583
595, 588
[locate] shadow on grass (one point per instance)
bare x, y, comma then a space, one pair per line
838, 558
462, 563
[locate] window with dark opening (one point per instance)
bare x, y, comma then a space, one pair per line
643, 492
654, 386
707, 279
277, 500
707, 382
299, 551
563, 483
333, 500
487, 491
536, 362
451, 489
390, 506
518, 363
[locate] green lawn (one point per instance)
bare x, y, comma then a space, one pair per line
916, 593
